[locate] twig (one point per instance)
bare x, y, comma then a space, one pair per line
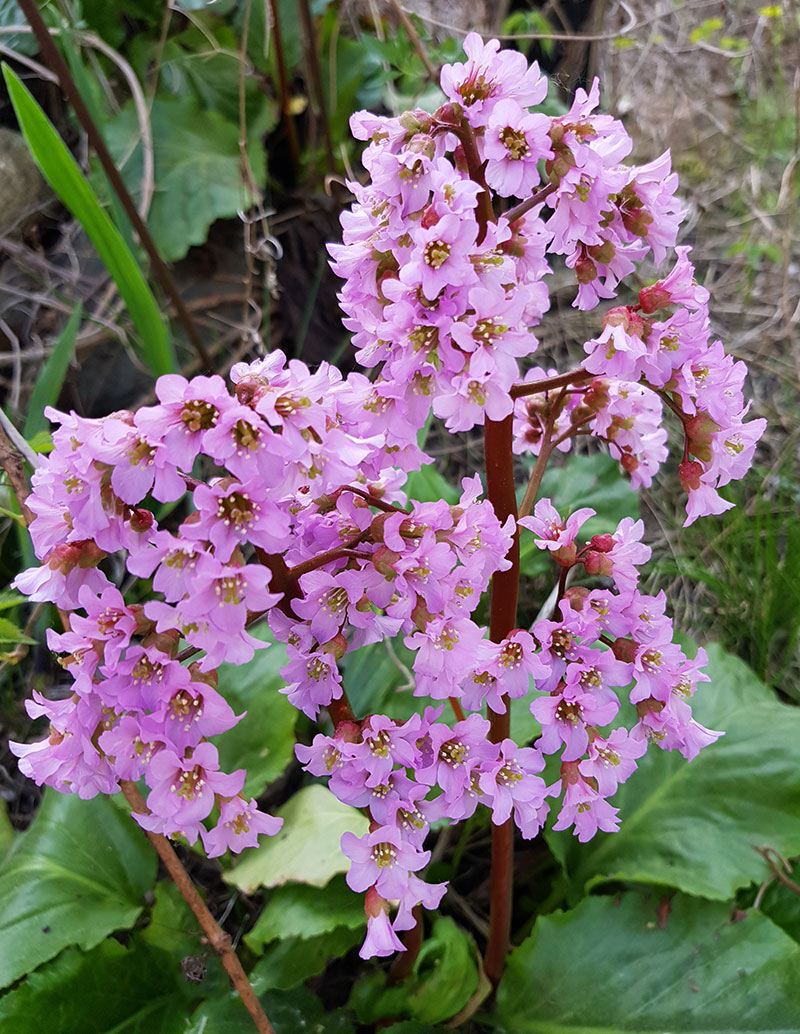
767, 854
12, 463
55, 61
19, 444
217, 938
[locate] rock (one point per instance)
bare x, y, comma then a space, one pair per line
23, 189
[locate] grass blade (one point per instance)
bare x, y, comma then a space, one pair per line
48, 385
65, 177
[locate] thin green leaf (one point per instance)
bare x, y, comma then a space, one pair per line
65, 177
49, 382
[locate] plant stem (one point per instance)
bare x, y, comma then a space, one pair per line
70, 90
519, 391
503, 617
525, 206
217, 938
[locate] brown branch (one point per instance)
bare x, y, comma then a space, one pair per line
56, 63
767, 854
217, 938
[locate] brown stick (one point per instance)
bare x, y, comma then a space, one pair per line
56, 63
217, 938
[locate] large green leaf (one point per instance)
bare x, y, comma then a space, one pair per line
593, 480
107, 991
63, 174
300, 910
197, 169
290, 1012
288, 963
307, 848
608, 967
79, 873
693, 826
263, 742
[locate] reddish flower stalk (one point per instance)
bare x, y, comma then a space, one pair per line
505, 588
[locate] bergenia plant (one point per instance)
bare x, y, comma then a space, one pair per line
445, 257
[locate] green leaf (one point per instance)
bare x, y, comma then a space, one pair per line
288, 963
301, 911
173, 929
263, 742
49, 382
11, 633
7, 833
444, 977
607, 967
307, 848
593, 480
11, 598
107, 991
289, 1012
693, 826
782, 905
378, 681
427, 485
197, 169
64, 176
76, 875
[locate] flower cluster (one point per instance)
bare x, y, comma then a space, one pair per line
290, 488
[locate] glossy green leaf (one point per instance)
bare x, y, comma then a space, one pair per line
608, 968
290, 1012
595, 481
444, 977
298, 910
64, 176
427, 485
307, 848
48, 384
173, 929
107, 991
77, 874
288, 963
782, 905
263, 742
693, 826
197, 169
378, 680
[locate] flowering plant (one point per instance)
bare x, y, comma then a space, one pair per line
306, 523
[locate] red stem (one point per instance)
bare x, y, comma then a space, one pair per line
519, 391
503, 618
